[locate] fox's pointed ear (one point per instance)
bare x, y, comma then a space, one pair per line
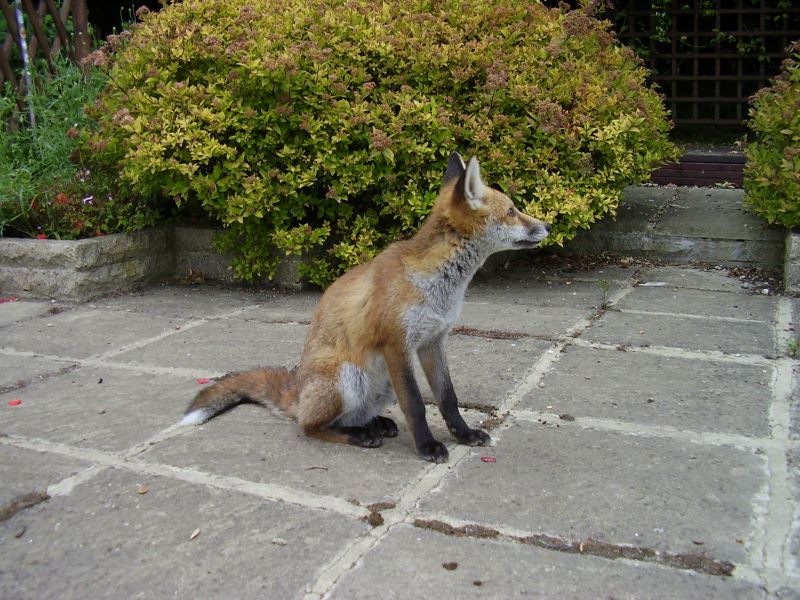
474, 188
455, 168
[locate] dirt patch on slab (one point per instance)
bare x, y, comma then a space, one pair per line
21, 503
491, 334
476, 531
702, 563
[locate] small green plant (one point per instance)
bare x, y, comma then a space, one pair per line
604, 287
793, 348
323, 126
48, 186
772, 170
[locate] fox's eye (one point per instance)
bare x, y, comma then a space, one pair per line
510, 212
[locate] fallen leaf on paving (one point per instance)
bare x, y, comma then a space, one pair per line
142, 489
14, 402
450, 566
203, 380
195, 533
488, 459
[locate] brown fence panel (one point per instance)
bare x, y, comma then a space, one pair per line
708, 56
76, 45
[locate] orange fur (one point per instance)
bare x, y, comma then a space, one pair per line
374, 318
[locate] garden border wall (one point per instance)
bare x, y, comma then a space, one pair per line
85, 269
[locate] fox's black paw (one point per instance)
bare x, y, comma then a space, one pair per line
366, 437
473, 437
385, 427
433, 451
368, 440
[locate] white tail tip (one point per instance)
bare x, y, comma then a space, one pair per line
196, 417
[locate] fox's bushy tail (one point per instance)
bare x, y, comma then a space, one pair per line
275, 386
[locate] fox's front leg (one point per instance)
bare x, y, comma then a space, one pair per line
434, 363
401, 374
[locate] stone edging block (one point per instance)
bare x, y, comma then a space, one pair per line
81, 270
791, 262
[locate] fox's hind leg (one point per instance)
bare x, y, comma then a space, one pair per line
321, 414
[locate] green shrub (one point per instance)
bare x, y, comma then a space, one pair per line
325, 126
48, 188
772, 170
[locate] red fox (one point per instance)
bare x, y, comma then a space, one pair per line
372, 320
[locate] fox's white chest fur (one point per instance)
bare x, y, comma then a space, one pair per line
442, 295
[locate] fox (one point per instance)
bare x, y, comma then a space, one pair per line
371, 321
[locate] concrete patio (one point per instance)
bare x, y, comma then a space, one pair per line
646, 434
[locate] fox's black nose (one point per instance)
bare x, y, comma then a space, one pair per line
547, 227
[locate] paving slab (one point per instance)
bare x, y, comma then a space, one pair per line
663, 391
223, 345
485, 370
186, 301
18, 370
108, 540
548, 265
623, 489
98, 407
12, 312
642, 329
540, 321
581, 295
608, 273
25, 471
298, 308
408, 563
699, 279
252, 443
700, 302
84, 332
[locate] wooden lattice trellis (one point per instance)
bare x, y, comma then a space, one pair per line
38, 45
710, 56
